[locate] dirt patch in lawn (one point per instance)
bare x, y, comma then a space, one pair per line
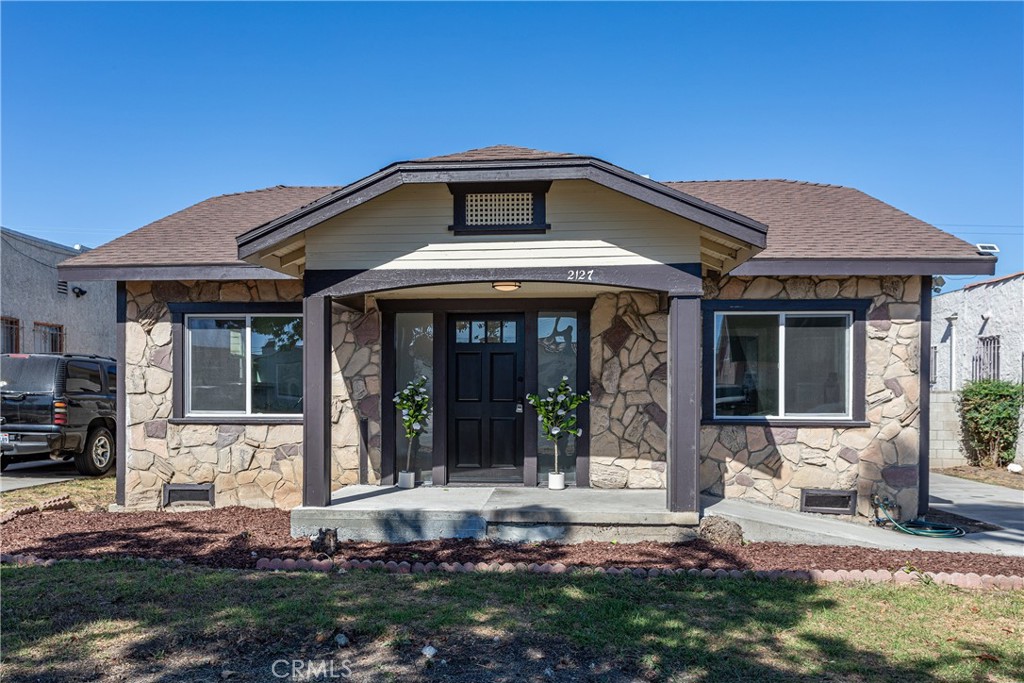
236, 537
998, 477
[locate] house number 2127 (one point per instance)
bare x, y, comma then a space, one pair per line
578, 275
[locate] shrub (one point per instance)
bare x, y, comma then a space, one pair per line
990, 419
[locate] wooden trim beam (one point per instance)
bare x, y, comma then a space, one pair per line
316, 404
684, 399
121, 437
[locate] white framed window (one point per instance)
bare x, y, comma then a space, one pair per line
796, 364
243, 364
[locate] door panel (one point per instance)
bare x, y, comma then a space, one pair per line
468, 376
467, 442
486, 383
503, 441
503, 377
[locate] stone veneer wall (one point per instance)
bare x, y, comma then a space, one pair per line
252, 465
355, 394
629, 391
771, 464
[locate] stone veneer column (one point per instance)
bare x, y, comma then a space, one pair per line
629, 386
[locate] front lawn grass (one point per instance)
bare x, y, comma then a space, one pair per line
80, 618
86, 493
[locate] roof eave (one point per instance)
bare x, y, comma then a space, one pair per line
199, 271
953, 265
727, 222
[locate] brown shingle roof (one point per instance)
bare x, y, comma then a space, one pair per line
805, 221
202, 234
809, 220
501, 153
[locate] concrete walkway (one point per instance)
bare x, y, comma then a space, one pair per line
36, 473
993, 504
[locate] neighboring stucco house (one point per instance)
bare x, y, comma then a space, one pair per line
747, 338
40, 313
978, 334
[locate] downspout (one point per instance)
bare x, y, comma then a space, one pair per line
952, 351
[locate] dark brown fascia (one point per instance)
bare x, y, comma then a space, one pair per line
643, 189
967, 265
228, 271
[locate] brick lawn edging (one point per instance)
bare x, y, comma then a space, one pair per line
969, 580
58, 503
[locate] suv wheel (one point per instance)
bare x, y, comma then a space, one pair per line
98, 456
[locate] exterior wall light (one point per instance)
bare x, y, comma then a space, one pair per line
506, 286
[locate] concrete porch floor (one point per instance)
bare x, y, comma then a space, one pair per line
387, 513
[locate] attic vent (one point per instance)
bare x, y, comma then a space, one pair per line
62, 287
499, 208
828, 501
188, 494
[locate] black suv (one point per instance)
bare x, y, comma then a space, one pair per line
59, 407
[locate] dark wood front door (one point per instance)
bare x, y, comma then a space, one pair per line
486, 367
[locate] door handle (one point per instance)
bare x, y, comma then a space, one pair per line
519, 408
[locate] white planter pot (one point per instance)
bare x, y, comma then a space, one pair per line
556, 482
406, 480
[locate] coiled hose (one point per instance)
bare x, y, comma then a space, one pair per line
919, 527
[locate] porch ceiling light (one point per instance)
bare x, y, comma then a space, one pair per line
506, 286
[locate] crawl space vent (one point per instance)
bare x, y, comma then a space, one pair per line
828, 501
188, 494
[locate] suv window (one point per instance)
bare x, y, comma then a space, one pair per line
27, 373
111, 378
83, 377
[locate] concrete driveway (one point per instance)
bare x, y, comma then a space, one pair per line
997, 505
23, 475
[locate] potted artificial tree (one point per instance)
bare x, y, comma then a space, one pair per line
414, 402
557, 419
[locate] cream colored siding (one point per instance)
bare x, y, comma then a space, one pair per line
590, 225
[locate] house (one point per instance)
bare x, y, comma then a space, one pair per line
753, 339
978, 335
43, 314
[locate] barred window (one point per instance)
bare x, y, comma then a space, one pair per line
985, 364
49, 338
10, 342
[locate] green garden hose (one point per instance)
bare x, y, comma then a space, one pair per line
919, 527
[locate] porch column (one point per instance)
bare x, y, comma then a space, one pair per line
316, 401
684, 379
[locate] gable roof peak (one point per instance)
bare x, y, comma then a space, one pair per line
499, 153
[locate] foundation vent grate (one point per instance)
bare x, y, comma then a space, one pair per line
828, 501
188, 494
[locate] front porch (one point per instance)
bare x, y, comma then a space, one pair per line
387, 513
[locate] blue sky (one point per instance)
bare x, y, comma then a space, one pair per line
114, 115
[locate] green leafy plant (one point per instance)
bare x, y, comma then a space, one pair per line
414, 402
555, 412
990, 411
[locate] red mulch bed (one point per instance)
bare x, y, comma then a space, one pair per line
237, 537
